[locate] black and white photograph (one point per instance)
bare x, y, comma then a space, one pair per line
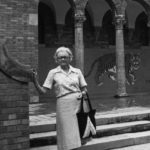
74, 74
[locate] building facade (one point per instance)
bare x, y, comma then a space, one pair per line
101, 24
109, 38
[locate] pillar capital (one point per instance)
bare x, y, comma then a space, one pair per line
118, 6
119, 21
79, 17
79, 10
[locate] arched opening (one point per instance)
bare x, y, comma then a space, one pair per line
47, 36
108, 33
141, 29
67, 36
88, 29
46, 25
108, 28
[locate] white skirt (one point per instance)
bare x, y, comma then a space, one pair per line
68, 136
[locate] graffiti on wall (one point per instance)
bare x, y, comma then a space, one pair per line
106, 65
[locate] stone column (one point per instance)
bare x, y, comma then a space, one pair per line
79, 44
120, 56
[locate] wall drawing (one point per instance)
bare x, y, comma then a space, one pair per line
106, 65
14, 69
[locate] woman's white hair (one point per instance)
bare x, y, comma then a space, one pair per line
63, 49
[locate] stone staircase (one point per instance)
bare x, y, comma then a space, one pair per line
115, 129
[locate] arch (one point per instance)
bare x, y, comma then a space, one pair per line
69, 18
49, 4
108, 28
90, 12
88, 24
141, 29
67, 37
46, 24
88, 28
107, 33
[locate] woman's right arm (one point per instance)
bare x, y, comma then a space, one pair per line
40, 89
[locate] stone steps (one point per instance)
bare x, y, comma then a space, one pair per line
114, 130
102, 130
133, 147
46, 123
112, 142
117, 141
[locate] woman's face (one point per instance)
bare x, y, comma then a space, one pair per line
63, 58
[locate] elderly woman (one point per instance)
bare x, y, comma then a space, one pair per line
69, 85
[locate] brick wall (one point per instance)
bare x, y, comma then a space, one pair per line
14, 115
18, 24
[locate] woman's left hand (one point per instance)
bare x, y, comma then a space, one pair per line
79, 96
84, 95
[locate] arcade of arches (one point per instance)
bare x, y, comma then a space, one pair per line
56, 27
52, 34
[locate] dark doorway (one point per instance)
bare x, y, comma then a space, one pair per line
46, 24
141, 29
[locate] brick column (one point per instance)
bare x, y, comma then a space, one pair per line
18, 26
14, 115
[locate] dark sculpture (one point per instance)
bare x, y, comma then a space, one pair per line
14, 69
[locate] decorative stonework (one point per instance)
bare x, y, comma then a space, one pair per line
118, 7
79, 18
79, 12
119, 21
80, 3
